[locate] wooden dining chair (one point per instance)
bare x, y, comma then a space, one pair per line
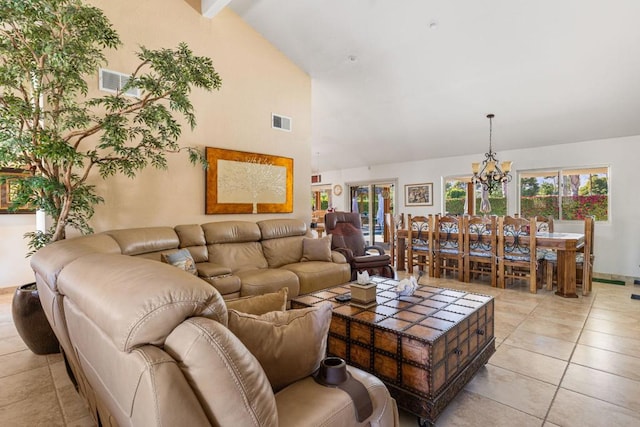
480, 247
390, 227
517, 251
584, 261
448, 246
420, 243
544, 224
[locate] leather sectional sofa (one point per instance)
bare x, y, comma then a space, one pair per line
238, 258
149, 344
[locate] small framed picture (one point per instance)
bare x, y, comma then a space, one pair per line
418, 194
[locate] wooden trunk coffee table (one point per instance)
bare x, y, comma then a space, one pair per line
424, 347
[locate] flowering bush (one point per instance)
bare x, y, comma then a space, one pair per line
573, 207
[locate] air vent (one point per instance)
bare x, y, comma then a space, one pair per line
112, 81
281, 122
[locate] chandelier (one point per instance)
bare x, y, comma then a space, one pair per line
490, 175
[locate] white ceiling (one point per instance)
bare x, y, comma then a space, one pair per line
401, 80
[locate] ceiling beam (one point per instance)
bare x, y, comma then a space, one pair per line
210, 8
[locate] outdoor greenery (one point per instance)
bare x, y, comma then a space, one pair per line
573, 207
498, 205
540, 196
455, 198
49, 49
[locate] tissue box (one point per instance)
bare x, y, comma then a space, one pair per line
363, 294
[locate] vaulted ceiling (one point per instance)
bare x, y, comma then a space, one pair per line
402, 80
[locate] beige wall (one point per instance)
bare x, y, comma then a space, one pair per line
257, 80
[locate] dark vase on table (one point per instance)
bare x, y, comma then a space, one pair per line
31, 322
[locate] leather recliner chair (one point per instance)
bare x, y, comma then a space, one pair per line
348, 239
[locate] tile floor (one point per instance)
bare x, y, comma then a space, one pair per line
559, 362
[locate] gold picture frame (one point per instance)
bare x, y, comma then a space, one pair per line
240, 182
418, 194
7, 186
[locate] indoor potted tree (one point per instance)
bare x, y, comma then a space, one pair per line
49, 127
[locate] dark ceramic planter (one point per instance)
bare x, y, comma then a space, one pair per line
31, 322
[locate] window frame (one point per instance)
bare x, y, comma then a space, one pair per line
476, 193
561, 172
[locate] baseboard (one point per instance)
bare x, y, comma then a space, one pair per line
615, 279
609, 281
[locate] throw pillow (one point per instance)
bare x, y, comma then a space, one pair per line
260, 304
289, 345
316, 249
181, 259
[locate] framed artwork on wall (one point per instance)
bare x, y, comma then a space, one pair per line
418, 194
243, 182
7, 190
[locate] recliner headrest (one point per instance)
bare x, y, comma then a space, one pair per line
137, 301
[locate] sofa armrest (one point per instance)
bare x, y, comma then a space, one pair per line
211, 269
338, 258
345, 252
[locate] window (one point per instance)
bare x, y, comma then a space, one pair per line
455, 199
565, 194
320, 197
455, 195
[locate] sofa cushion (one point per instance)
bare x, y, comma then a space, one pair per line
150, 298
210, 269
316, 249
51, 259
181, 259
231, 232
190, 235
283, 251
136, 241
264, 280
229, 382
289, 345
238, 256
279, 228
316, 275
260, 304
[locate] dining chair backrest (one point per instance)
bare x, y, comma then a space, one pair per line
420, 242
480, 235
544, 223
480, 247
420, 232
448, 245
448, 235
514, 236
517, 248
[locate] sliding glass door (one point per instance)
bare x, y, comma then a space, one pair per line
372, 201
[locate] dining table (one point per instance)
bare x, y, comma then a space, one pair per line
565, 244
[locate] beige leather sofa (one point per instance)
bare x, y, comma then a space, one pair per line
148, 346
238, 258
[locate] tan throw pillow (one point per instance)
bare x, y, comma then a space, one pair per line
260, 304
181, 259
316, 249
289, 345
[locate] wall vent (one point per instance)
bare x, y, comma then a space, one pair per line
281, 122
112, 81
